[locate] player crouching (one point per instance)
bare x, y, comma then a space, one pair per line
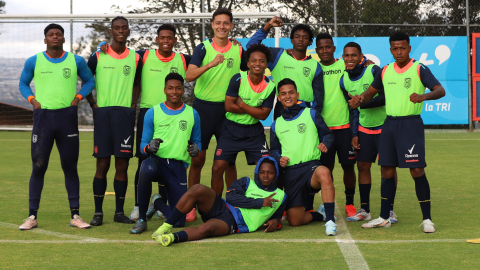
249, 205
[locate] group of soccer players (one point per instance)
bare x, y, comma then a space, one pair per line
349, 107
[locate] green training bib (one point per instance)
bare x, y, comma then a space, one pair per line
335, 107
55, 84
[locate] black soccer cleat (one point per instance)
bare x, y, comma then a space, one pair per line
139, 227
97, 220
122, 218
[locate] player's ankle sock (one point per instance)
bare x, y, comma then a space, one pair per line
349, 194
99, 188
142, 212
33, 212
175, 216
387, 191
316, 216
120, 188
365, 196
162, 207
74, 211
329, 211
179, 237
423, 194
136, 186
393, 199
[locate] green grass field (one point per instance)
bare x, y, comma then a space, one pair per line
452, 173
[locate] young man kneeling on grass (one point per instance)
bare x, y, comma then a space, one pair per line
249, 205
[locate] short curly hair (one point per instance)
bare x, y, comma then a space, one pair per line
259, 48
303, 27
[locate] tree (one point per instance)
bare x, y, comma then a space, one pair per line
2, 7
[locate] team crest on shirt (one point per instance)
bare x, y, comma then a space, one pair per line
365, 87
173, 70
301, 128
126, 70
183, 125
260, 102
407, 83
229, 62
67, 73
306, 71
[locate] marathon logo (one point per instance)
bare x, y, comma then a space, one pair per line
285, 131
331, 72
155, 70
126, 145
287, 67
72, 135
46, 72
109, 67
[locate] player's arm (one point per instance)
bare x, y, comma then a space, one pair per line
365, 97
379, 100
428, 80
262, 33
92, 65
276, 147
137, 80
318, 89
324, 133
195, 68
195, 142
25, 80
232, 95
236, 195
353, 113
88, 81
275, 221
261, 112
148, 130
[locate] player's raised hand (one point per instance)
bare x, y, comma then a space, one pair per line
416, 98
284, 161
268, 201
322, 148
355, 143
153, 146
217, 60
193, 149
368, 63
36, 105
271, 225
275, 22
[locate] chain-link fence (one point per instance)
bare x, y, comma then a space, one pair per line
342, 18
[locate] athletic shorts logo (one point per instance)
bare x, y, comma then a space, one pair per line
34, 138
219, 152
173, 70
260, 102
306, 71
126, 70
407, 83
96, 149
265, 148
301, 128
410, 155
229, 62
126, 145
365, 87
183, 125
67, 73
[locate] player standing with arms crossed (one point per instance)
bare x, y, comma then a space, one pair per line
55, 118
402, 143
117, 77
213, 64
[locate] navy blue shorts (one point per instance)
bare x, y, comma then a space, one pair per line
237, 137
369, 145
140, 117
220, 211
342, 146
402, 142
113, 132
212, 115
297, 183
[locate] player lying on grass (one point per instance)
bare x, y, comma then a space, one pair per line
171, 136
298, 138
249, 205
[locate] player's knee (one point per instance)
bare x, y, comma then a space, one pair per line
348, 168
207, 229
147, 171
295, 222
198, 162
121, 165
387, 172
417, 172
364, 166
197, 190
218, 168
39, 166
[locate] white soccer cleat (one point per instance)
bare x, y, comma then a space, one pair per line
29, 223
428, 226
331, 228
135, 214
378, 222
160, 215
393, 217
361, 215
78, 222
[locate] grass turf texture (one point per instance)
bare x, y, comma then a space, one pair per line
451, 171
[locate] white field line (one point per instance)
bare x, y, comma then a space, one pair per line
57, 234
345, 242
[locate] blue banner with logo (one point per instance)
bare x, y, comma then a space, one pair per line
446, 57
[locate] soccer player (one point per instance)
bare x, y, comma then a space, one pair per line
302, 69
367, 122
117, 77
402, 143
298, 139
335, 112
55, 118
213, 64
157, 64
249, 99
249, 205
171, 136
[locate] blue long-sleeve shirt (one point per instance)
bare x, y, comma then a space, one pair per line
317, 82
149, 127
82, 71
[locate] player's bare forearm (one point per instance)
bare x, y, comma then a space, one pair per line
257, 112
135, 94
90, 98
193, 72
231, 105
369, 94
436, 92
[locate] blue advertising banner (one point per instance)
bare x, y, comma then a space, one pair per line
445, 56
